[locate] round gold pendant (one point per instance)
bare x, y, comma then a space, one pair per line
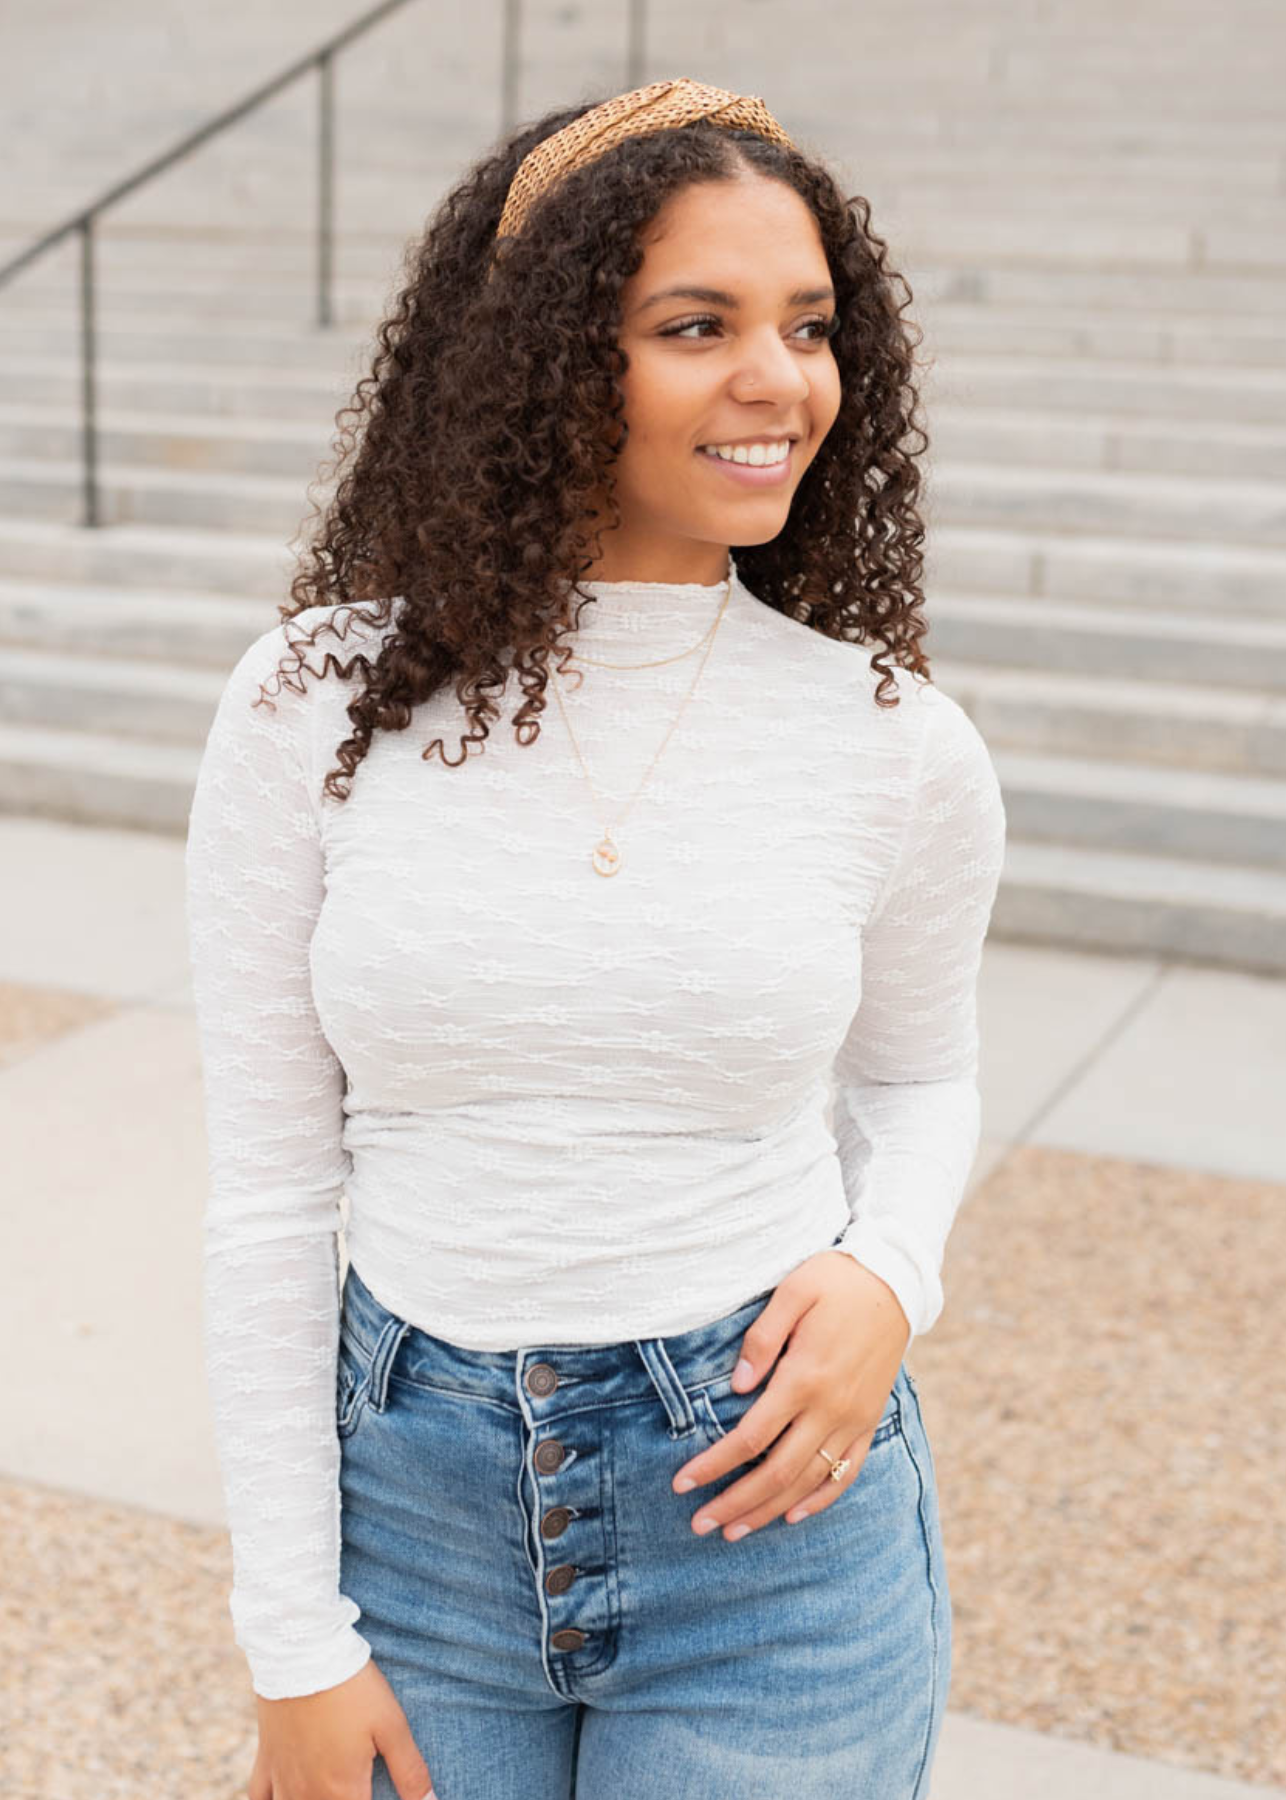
607, 858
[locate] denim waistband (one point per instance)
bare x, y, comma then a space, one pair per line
628, 1370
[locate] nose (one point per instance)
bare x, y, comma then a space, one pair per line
770, 371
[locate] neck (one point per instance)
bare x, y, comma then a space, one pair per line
679, 564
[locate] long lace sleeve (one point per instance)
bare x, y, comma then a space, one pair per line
273, 1090
907, 1103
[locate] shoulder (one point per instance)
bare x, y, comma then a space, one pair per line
281, 660
958, 789
950, 738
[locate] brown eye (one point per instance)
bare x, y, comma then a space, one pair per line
827, 327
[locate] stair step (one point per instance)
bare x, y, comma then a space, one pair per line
1226, 915
239, 374
132, 251
178, 307
1124, 503
1103, 443
1107, 442
312, 392
1209, 578
1088, 384
96, 778
132, 254
1131, 505
193, 442
175, 625
133, 699
1177, 813
131, 493
1093, 800
1237, 730
292, 343
250, 565
1222, 729
1114, 900
1078, 637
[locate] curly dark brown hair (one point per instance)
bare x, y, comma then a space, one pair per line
488, 430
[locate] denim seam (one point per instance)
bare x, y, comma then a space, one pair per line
933, 1616
349, 1410
535, 1540
571, 1412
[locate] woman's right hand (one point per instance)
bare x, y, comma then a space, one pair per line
321, 1746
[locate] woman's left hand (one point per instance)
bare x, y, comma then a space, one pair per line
828, 1391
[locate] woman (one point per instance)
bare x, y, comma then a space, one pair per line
561, 1016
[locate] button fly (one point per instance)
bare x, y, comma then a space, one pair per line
555, 1522
540, 1379
549, 1456
560, 1579
571, 1639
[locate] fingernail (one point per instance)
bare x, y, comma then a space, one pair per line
743, 1372
737, 1531
705, 1523
683, 1483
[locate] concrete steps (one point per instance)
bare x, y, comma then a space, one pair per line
1217, 578
242, 443
183, 390
1114, 900
1127, 503
285, 259
1181, 814
1150, 648
1109, 899
1130, 504
222, 376
1094, 232
282, 355
167, 625
146, 558
269, 445
231, 322
1090, 800
1133, 721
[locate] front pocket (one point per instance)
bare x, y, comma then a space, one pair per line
351, 1387
720, 1408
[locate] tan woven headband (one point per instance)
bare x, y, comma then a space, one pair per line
660, 106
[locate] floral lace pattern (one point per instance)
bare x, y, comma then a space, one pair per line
563, 1107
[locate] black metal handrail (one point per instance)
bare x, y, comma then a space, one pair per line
321, 59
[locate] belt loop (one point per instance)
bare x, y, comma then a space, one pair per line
386, 1347
674, 1396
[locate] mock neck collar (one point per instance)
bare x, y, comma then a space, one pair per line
639, 620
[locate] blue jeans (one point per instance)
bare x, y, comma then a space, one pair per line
533, 1591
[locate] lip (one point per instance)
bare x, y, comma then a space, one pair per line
765, 475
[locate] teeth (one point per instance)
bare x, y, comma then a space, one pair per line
756, 454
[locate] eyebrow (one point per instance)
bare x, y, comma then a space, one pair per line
717, 296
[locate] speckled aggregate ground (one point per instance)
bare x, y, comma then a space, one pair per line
1103, 1395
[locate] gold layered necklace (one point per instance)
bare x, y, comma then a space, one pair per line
606, 855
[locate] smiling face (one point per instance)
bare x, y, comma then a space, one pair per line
741, 357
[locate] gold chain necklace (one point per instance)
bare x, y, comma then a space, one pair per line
606, 856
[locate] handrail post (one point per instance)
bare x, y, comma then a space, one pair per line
511, 29
325, 185
84, 223
89, 447
636, 55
